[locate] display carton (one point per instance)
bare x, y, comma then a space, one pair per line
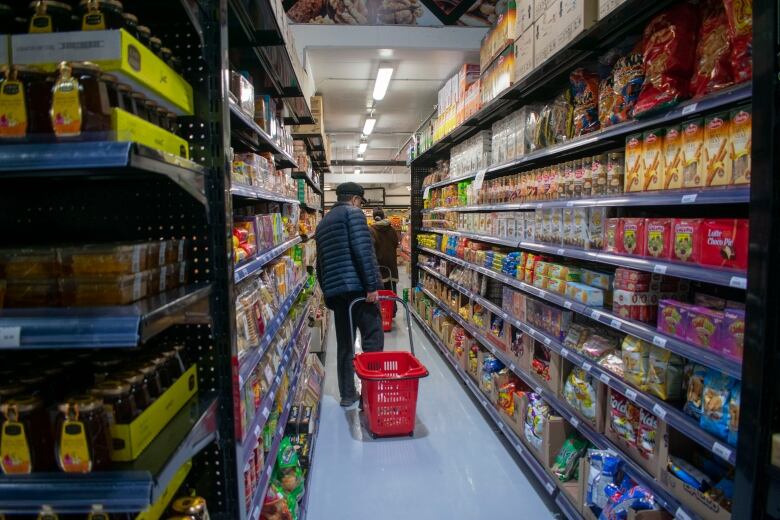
597, 422
129, 127
525, 15
575, 17
545, 36
524, 54
539, 351
115, 51
607, 6
741, 140
553, 436
318, 114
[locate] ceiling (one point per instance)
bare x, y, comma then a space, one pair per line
345, 78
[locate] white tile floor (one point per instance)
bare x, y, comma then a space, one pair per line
455, 467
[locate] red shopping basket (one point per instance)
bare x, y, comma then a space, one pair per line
390, 383
386, 307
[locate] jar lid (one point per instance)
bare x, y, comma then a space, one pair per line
166, 51
129, 17
147, 368
110, 78
111, 387
83, 402
11, 389
50, 3
144, 30
22, 403
189, 505
155, 40
115, 3
131, 376
138, 95
124, 87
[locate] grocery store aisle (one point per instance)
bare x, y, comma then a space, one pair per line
455, 467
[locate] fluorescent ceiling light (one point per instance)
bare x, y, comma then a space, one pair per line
359, 157
357, 171
382, 82
362, 148
369, 126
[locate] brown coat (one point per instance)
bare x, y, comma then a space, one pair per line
386, 245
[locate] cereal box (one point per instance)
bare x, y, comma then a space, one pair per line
694, 173
673, 178
633, 236
659, 237
634, 167
686, 243
725, 243
596, 220
653, 153
741, 139
613, 235
716, 149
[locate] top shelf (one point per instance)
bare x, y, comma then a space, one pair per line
257, 138
308, 177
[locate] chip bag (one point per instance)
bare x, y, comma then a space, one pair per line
607, 101
734, 404
665, 371
275, 506
636, 355
648, 425
288, 474
669, 51
628, 76
713, 56
695, 390
566, 461
580, 393
715, 403
585, 90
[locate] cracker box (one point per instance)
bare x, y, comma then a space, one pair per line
686, 242
659, 237
724, 243
740, 143
585, 294
556, 286
653, 156
597, 279
673, 178
596, 225
716, 149
633, 237
634, 168
694, 174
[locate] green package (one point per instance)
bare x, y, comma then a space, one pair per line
566, 462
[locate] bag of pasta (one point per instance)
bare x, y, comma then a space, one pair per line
585, 93
628, 76
669, 49
713, 56
740, 18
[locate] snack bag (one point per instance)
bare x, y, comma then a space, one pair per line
595, 347
580, 393
694, 390
648, 425
607, 101
740, 18
566, 461
288, 474
621, 417
636, 355
604, 466
713, 57
275, 506
734, 404
628, 77
715, 403
664, 377
669, 51
506, 399
585, 90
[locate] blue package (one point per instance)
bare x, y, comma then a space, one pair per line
715, 403
695, 390
636, 498
603, 470
736, 392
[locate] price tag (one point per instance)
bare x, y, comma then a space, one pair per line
538, 390
660, 269
550, 487
255, 513
615, 324
567, 304
505, 316
595, 314
565, 353
547, 341
658, 341
575, 422
569, 203
479, 178
278, 379
721, 450
501, 425
604, 378
280, 430
561, 252
689, 109
10, 337
539, 206
680, 514
586, 366
738, 282
266, 412
688, 199
631, 394
427, 192
659, 411
268, 470
512, 367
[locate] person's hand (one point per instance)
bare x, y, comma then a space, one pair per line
372, 297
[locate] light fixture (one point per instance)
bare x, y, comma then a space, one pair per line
357, 171
359, 157
362, 148
383, 76
369, 126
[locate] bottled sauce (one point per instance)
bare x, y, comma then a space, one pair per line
13, 105
25, 436
83, 436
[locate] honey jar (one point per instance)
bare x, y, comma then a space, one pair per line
83, 435
25, 436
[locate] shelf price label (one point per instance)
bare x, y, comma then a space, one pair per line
595, 314
565, 353
10, 337
512, 367
575, 422
680, 514
604, 378
658, 341
567, 304
550, 487
738, 282
659, 411
689, 109
586, 366
660, 269
479, 178
561, 252
427, 192
266, 411
631, 394
688, 199
615, 324
721, 451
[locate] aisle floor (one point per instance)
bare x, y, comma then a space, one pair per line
455, 467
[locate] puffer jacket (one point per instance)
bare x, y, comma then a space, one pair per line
345, 253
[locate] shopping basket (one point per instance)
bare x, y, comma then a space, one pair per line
386, 307
390, 382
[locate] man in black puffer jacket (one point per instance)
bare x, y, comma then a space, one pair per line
347, 269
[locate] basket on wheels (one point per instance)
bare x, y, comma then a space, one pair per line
390, 385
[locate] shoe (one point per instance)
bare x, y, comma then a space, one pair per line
349, 401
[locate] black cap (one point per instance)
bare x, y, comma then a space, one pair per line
350, 188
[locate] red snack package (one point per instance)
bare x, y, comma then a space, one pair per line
686, 245
648, 424
622, 420
740, 17
634, 241
724, 243
659, 237
713, 56
670, 48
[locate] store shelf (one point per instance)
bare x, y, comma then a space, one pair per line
249, 361
310, 208
270, 459
699, 197
544, 478
257, 138
304, 505
246, 191
98, 327
673, 416
131, 487
726, 277
104, 160
307, 176
564, 409
637, 329
252, 266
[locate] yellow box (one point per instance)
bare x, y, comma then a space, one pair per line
128, 127
116, 51
156, 510
133, 438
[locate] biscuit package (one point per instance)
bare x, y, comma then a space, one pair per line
652, 150
716, 404
692, 154
636, 356
741, 139
634, 165
716, 153
580, 393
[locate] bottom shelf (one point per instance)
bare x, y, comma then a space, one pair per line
312, 446
534, 465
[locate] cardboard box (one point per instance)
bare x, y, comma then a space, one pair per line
545, 36
693, 499
128, 127
597, 422
575, 490
553, 436
130, 440
115, 51
525, 15
540, 352
524, 54
607, 6
540, 7
575, 17
318, 114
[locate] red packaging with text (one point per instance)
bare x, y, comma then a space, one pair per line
659, 237
686, 239
633, 237
724, 243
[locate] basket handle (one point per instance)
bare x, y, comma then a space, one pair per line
381, 298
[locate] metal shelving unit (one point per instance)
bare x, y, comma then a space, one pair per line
253, 265
309, 178
258, 139
254, 192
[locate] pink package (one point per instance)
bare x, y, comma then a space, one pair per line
704, 326
673, 318
732, 333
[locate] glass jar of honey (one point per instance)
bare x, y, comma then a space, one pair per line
25, 436
119, 404
83, 435
99, 15
48, 16
138, 388
192, 506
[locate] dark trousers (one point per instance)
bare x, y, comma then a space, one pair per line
366, 317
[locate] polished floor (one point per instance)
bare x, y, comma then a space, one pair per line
455, 467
